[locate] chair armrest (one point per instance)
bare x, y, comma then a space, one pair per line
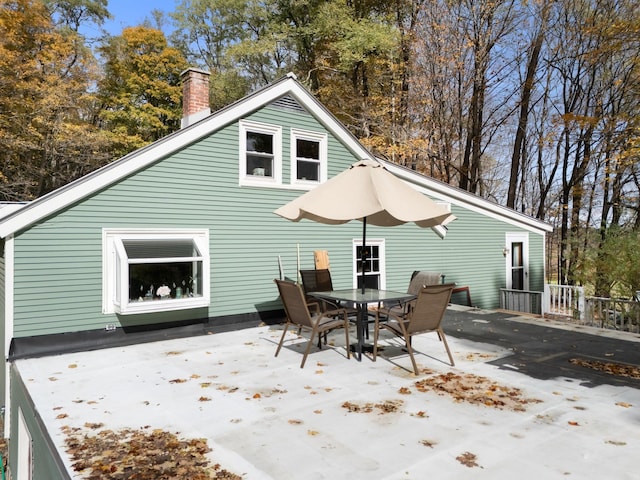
314, 307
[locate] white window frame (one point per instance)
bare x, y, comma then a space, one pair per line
115, 263
378, 242
246, 178
321, 139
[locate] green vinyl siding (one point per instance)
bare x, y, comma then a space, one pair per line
46, 461
58, 262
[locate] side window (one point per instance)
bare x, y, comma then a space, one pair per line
260, 154
147, 271
308, 157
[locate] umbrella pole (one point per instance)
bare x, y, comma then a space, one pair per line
364, 251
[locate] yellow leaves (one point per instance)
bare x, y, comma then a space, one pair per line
624, 404
73, 365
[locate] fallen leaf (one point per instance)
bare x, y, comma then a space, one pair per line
624, 404
616, 443
573, 424
468, 459
73, 365
428, 443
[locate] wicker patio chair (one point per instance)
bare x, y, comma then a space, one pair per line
299, 315
425, 316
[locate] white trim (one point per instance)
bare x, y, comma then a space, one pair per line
323, 160
9, 319
469, 201
131, 163
9, 283
377, 242
510, 238
128, 165
245, 179
24, 449
111, 242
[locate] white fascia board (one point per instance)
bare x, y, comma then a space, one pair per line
129, 164
455, 196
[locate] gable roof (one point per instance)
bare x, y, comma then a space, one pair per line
145, 156
456, 196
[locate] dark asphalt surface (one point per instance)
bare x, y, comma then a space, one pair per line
545, 352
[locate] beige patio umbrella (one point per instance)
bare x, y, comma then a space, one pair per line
368, 192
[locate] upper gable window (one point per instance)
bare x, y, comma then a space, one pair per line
308, 157
260, 154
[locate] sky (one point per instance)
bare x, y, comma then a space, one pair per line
129, 13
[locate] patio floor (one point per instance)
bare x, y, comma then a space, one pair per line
514, 404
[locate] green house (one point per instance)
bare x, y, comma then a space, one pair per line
180, 237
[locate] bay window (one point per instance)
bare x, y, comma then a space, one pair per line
149, 271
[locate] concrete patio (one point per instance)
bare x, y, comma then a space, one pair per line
514, 404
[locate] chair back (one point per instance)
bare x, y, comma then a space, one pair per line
317, 280
429, 309
295, 305
421, 279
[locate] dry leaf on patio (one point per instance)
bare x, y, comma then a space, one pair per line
618, 369
141, 454
468, 459
475, 389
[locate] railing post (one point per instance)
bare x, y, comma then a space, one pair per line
546, 299
580, 303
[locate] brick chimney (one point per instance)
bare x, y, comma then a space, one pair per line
195, 96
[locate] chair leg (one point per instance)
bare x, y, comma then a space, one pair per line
346, 336
446, 346
304, 358
376, 335
407, 341
284, 332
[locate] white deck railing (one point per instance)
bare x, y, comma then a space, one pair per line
568, 303
564, 301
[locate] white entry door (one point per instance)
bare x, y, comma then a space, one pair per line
375, 266
517, 261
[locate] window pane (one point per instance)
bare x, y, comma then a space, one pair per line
184, 279
308, 171
307, 149
140, 249
260, 165
259, 142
